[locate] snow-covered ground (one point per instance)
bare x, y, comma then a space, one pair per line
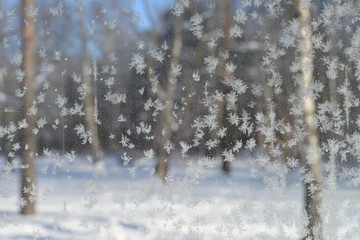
76, 202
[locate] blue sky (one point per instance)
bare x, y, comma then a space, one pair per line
145, 8
148, 8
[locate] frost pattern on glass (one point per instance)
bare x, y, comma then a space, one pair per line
180, 119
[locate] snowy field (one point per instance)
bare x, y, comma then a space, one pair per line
77, 202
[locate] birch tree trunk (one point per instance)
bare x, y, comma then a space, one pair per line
226, 9
88, 101
167, 123
29, 141
314, 164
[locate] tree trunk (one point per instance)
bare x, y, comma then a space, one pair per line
314, 167
167, 124
88, 101
226, 9
29, 141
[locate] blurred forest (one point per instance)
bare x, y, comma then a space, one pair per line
107, 33
196, 78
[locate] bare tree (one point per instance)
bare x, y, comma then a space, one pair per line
312, 197
226, 9
167, 123
29, 144
90, 104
